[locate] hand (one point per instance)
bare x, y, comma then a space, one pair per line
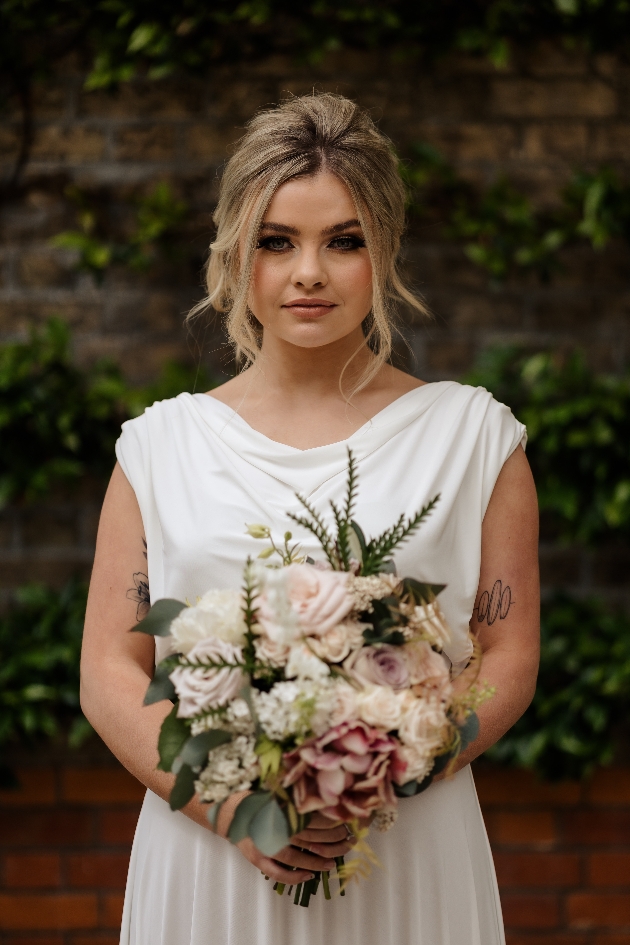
310, 850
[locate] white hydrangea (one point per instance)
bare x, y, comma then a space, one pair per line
216, 614
236, 718
296, 708
230, 768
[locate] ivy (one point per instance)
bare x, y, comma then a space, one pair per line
40, 645
500, 229
59, 423
583, 694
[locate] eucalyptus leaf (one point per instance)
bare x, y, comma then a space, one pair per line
406, 790
246, 810
160, 686
269, 829
195, 751
213, 814
183, 789
157, 622
173, 735
469, 730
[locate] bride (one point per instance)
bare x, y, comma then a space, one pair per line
304, 267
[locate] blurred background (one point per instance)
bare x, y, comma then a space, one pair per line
512, 119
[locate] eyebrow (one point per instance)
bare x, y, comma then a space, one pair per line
293, 231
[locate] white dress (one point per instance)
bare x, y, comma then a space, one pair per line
200, 473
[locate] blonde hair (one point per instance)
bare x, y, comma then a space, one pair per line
299, 138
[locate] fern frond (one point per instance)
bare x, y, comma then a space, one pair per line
353, 486
317, 527
343, 548
381, 548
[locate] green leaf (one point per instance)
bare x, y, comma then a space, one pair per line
157, 622
357, 542
469, 730
160, 686
246, 810
422, 593
196, 750
173, 734
269, 828
183, 789
213, 814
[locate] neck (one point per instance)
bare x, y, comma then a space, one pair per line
300, 372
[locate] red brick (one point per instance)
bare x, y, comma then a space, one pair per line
35, 869
532, 829
589, 910
530, 912
68, 911
33, 940
611, 939
609, 869
92, 940
98, 869
100, 786
111, 911
37, 786
39, 828
537, 869
554, 938
118, 826
597, 826
510, 787
610, 786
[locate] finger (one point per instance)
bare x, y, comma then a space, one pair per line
332, 849
302, 859
330, 835
319, 821
270, 867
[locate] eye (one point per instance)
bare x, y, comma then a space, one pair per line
346, 243
276, 244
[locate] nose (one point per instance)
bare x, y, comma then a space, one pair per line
309, 271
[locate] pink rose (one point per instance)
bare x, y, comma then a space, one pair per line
383, 665
207, 687
345, 773
428, 670
319, 599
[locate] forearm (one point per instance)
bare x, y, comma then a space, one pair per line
131, 729
514, 681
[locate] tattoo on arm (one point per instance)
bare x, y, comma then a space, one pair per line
494, 605
140, 592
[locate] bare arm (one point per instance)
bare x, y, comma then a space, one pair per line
116, 667
506, 618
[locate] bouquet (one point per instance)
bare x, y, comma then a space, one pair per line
317, 686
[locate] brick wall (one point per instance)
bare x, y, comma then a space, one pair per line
562, 854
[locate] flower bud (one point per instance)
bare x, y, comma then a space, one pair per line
258, 531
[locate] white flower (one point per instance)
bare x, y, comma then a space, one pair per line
303, 664
429, 621
420, 760
336, 644
235, 717
380, 707
423, 722
276, 616
366, 589
216, 614
428, 670
303, 600
295, 708
344, 704
208, 687
271, 652
231, 767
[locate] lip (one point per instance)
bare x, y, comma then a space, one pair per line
309, 307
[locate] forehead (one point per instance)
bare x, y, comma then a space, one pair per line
322, 200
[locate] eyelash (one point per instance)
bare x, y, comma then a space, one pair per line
355, 243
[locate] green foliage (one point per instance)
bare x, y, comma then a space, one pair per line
501, 230
157, 217
578, 425
582, 700
40, 644
59, 423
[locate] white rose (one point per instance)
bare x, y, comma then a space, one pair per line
428, 669
270, 651
337, 643
419, 760
317, 601
216, 614
423, 721
203, 688
344, 706
380, 706
303, 664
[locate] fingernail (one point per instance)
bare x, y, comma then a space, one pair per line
311, 876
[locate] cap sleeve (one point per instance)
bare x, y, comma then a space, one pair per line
501, 434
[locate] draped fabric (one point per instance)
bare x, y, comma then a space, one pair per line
200, 474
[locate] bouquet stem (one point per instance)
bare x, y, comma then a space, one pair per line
339, 861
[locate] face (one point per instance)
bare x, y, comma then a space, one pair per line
312, 278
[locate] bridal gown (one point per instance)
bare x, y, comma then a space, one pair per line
200, 472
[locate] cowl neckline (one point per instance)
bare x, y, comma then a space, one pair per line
305, 471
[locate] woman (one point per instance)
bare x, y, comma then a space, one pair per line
309, 222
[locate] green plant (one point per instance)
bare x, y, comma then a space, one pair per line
578, 426
157, 217
582, 699
57, 423
40, 645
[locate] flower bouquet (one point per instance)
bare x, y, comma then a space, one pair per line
318, 686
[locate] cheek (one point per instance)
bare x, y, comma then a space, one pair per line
268, 279
354, 279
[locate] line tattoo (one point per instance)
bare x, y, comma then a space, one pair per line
140, 592
494, 605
